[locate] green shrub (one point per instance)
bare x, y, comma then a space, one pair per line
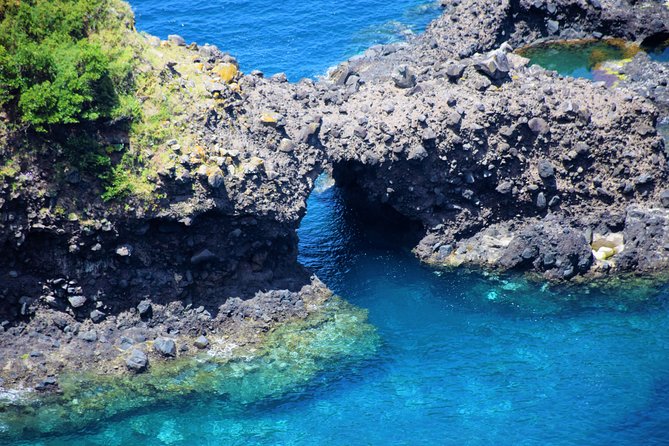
52, 72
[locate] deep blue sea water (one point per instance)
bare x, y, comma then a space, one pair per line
300, 38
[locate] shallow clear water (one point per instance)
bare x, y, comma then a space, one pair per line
465, 359
578, 59
302, 39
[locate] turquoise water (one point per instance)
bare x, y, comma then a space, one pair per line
578, 58
302, 39
464, 359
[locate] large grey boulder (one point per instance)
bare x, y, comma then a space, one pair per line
166, 347
495, 65
176, 39
404, 77
137, 361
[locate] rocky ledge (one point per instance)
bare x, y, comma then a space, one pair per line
504, 165
509, 166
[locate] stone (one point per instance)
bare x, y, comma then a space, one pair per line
137, 361
307, 132
340, 75
166, 347
286, 145
454, 70
97, 316
495, 65
215, 179
125, 343
552, 26
88, 336
47, 383
404, 77
545, 169
541, 200
124, 251
201, 342
664, 198
452, 118
227, 72
642, 179
417, 152
538, 126
429, 134
77, 301
203, 256
504, 187
215, 87
176, 39
280, 78
145, 309
272, 119
517, 61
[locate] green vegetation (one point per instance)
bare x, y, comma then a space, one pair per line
127, 178
57, 66
75, 75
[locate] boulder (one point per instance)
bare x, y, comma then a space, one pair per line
495, 65
166, 347
552, 26
88, 336
545, 169
404, 77
145, 309
340, 75
286, 145
124, 251
664, 198
137, 361
538, 126
226, 72
201, 342
77, 301
454, 70
505, 187
215, 179
97, 316
176, 39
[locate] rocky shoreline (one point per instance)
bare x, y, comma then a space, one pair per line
506, 166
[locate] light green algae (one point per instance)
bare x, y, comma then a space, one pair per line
289, 357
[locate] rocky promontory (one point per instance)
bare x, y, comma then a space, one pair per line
184, 228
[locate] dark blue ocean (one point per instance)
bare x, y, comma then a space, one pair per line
300, 38
463, 358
